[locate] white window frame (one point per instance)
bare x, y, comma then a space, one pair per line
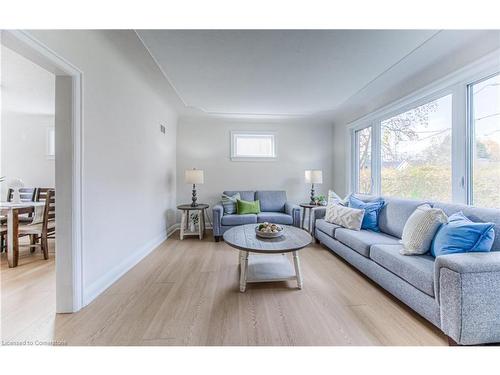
355, 147
51, 143
240, 133
469, 171
456, 84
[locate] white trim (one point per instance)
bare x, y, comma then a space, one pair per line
68, 69
51, 140
112, 275
456, 84
235, 133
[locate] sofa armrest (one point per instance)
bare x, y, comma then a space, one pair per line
317, 213
467, 290
294, 211
217, 213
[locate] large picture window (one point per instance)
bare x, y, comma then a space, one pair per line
440, 144
416, 152
484, 97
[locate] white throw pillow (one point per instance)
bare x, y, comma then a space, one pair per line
420, 229
350, 218
334, 198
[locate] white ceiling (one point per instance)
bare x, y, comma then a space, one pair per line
286, 72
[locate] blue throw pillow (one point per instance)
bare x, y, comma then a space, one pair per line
372, 209
461, 235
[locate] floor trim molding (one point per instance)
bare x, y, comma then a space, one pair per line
105, 281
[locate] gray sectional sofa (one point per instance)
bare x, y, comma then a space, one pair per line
459, 293
274, 208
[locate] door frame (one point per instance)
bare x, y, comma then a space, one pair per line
69, 285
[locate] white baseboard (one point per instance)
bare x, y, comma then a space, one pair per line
105, 281
172, 229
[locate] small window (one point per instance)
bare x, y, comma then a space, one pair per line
51, 142
253, 146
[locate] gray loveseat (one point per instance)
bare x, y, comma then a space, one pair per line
459, 293
273, 205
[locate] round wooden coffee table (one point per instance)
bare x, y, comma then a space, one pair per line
270, 263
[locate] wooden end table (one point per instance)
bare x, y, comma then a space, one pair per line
307, 206
186, 210
269, 263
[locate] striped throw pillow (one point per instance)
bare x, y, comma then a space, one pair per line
229, 203
420, 229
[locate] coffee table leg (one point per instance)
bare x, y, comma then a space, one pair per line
243, 270
296, 263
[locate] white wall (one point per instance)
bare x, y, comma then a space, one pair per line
28, 93
129, 167
374, 98
205, 144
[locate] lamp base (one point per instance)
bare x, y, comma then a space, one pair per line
312, 195
193, 198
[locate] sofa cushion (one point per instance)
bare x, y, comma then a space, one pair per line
326, 227
246, 195
417, 270
461, 235
360, 241
347, 217
393, 215
420, 229
476, 214
372, 211
271, 201
275, 217
229, 203
239, 219
246, 207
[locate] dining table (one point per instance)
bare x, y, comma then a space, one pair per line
12, 210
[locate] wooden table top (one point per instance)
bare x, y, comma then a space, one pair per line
22, 206
199, 206
308, 205
243, 237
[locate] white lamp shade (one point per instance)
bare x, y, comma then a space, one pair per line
193, 176
314, 176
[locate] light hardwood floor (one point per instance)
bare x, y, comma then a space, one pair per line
186, 293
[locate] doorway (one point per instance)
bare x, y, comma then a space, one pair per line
67, 145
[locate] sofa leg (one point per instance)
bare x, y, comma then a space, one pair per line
217, 238
316, 241
452, 342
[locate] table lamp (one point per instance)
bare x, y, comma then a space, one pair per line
314, 176
194, 176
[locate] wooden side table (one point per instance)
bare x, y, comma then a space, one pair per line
186, 211
305, 207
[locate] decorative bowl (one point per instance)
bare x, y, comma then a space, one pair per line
270, 234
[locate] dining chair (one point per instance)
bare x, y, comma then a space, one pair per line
41, 193
26, 195
47, 228
3, 235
